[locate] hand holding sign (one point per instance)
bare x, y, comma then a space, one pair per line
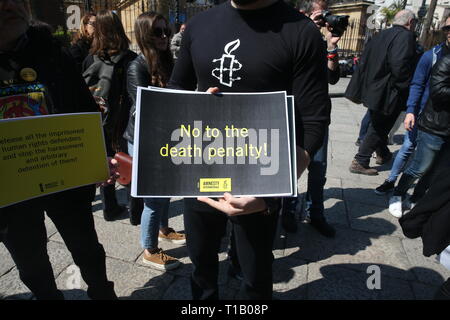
236, 206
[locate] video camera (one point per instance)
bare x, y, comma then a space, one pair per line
338, 23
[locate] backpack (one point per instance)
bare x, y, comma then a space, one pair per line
106, 80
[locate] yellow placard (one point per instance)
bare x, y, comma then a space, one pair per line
47, 154
215, 185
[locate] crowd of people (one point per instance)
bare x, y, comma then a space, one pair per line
99, 72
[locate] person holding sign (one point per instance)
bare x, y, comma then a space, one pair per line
256, 46
152, 67
38, 78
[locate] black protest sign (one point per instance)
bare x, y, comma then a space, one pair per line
191, 144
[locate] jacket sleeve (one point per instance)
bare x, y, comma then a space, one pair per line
85, 102
183, 75
334, 75
137, 76
418, 83
401, 56
310, 89
440, 83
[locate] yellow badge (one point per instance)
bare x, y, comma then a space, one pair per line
28, 74
215, 185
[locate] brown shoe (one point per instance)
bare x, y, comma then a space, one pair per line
160, 260
173, 236
382, 159
356, 167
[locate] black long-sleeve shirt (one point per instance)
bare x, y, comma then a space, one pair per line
270, 49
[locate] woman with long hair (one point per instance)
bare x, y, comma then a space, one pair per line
104, 71
152, 68
82, 40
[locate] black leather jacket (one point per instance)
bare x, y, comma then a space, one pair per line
137, 76
435, 118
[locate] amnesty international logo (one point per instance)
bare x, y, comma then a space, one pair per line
228, 65
215, 185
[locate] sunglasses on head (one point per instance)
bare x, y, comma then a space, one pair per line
158, 32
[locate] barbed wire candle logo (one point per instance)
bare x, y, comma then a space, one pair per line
228, 65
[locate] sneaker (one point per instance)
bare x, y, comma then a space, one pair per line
382, 159
386, 187
160, 260
172, 236
395, 206
322, 226
356, 167
114, 214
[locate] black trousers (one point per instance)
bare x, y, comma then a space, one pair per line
376, 136
253, 234
26, 240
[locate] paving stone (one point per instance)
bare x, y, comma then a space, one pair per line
289, 278
365, 195
179, 289
60, 257
427, 269
373, 219
341, 282
350, 246
120, 241
6, 262
335, 212
333, 189
50, 227
12, 288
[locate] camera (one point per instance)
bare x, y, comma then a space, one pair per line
338, 23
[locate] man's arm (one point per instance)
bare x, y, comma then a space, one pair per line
401, 58
416, 90
310, 89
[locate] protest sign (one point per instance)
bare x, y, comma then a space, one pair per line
41, 155
190, 144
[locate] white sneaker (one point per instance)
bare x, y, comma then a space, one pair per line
395, 206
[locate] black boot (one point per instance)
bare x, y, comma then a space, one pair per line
322, 226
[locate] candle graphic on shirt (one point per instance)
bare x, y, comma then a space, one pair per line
228, 65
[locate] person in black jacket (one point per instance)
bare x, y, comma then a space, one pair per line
432, 139
63, 91
110, 53
430, 218
295, 61
81, 43
152, 68
317, 169
381, 83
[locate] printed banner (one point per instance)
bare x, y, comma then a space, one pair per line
46, 154
190, 144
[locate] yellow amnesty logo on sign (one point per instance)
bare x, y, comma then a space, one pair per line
47, 154
215, 185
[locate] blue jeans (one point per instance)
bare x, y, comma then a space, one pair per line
317, 170
408, 146
155, 216
428, 147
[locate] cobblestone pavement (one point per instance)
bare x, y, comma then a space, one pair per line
307, 265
